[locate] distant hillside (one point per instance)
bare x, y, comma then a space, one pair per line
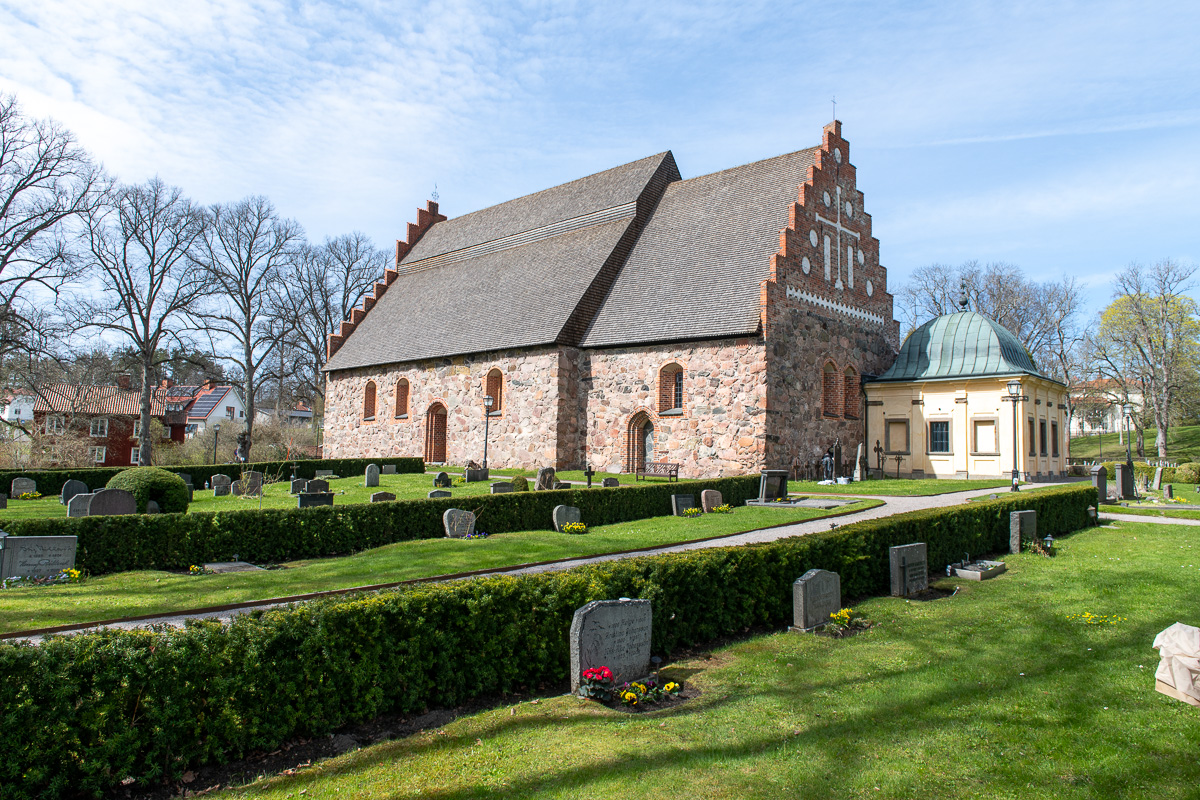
1182, 442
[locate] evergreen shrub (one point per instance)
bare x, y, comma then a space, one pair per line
151, 483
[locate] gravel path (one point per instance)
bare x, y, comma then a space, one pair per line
892, 505
1107, 517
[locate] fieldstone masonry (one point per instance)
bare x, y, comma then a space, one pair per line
613, 634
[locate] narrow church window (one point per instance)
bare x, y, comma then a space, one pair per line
939, 436
369, 401
670, 389
401, 398
829, 389
495, 389
850, 395
1031, 443
1042, 437
1054, 439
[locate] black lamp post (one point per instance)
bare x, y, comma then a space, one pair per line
487, 412
1128, 409
216, 436
1014, 397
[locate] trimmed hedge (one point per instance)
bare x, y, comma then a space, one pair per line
50, 481
151, 483
81, 713
176, 541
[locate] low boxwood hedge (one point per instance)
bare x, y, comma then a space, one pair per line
176, 541
146, 484
50, 481
81, 713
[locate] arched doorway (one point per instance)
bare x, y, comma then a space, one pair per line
640, 437
435, 434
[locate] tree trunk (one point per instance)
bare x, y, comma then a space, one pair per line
249, 401
144, 443
1141, 443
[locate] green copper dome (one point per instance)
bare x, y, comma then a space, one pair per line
963, 345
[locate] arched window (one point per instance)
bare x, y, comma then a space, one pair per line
495, 389
850, 394
670, 388
401, 398
369, 401
830, 404
639, 442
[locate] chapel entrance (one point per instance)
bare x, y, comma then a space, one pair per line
435, 434
641, 442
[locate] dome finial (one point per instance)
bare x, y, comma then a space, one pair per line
964, 302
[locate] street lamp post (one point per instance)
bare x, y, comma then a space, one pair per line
487, 412
1014, 397
1128, 409
216, 436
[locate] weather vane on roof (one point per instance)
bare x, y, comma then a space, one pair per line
834, 101
434, 196
964, 302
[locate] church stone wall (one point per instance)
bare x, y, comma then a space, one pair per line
721, 430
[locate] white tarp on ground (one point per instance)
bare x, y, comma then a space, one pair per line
1179, 650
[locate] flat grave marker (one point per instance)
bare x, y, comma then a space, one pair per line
439, 493
314, 499
501, 487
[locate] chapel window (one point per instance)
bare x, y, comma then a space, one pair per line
895, 436
939, 436
401, 399
1054, 439
985, 436
495, 390
1042, 438
670, 388
1031, 442
850, 396
369, 401
829, 391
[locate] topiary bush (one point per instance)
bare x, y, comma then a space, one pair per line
520, 484
151, 483
1188, 473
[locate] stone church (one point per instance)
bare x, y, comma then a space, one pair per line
722, 323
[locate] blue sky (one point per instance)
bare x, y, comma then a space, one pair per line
1062, 137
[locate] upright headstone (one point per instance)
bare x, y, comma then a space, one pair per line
298, 486
371, 477
36, 556
710, 499
316, 485
441, 481
323, 473
1157, 478
21, 486
545, 479
71, 488
772, 485
389, 469
860, 464
112, 502
910, 569
78, 505
238, 488
613, 634
222, 489
3, 500
681, 503
439, 493
610, 483
458, 523
382, 497
565, 514
1168, 491
501, 487
152, 507
1021, 525
220, 480
313, 499
815, 595
252, 482
1125, 481
1100, 481
186, 476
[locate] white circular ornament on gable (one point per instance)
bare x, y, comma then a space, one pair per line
837, 154
861, 258
827, 201
849, 210
870, 288
812, 237
805, 265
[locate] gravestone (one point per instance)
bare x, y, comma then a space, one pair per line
323, 473
545, 479
36, 556
22, 485
860, 464
501, 487
252, 482
389, 469
220, 480
439, 493
910, 569
458, 523
610, 483
382, 497
3, 501
441, 481
565, 514
681, 503
1168, 492
371, 477
112, 502
1157, 478
314, 499
1100, 481
298, 486
815, 595
152, 507
315, 486
613, 634
1125, 488
1021, 525
710, 499
77, 506
186, 477
238, 488
70, 489
222, 489
772, 485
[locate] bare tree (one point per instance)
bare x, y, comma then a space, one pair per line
140, 242
1148, 341
327, 282
246, 250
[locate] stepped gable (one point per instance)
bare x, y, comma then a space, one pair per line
696, 269
527, 272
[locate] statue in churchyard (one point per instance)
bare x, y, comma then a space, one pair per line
827, 464
242, 454
837, 457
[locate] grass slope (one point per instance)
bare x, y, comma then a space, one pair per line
1182, 442
893, 487
152, 592
1000, 691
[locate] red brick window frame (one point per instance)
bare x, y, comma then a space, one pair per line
639, 441
850, 394
435, 433
494, 387
369, 401
830, 394
402, 399
670, 389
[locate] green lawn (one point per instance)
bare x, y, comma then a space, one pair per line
894, 487
1182, 442
152, 592
998, 692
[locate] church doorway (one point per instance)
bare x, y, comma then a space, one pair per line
435, 434
641, 442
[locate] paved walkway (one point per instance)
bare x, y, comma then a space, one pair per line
1105, 516
892, 505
